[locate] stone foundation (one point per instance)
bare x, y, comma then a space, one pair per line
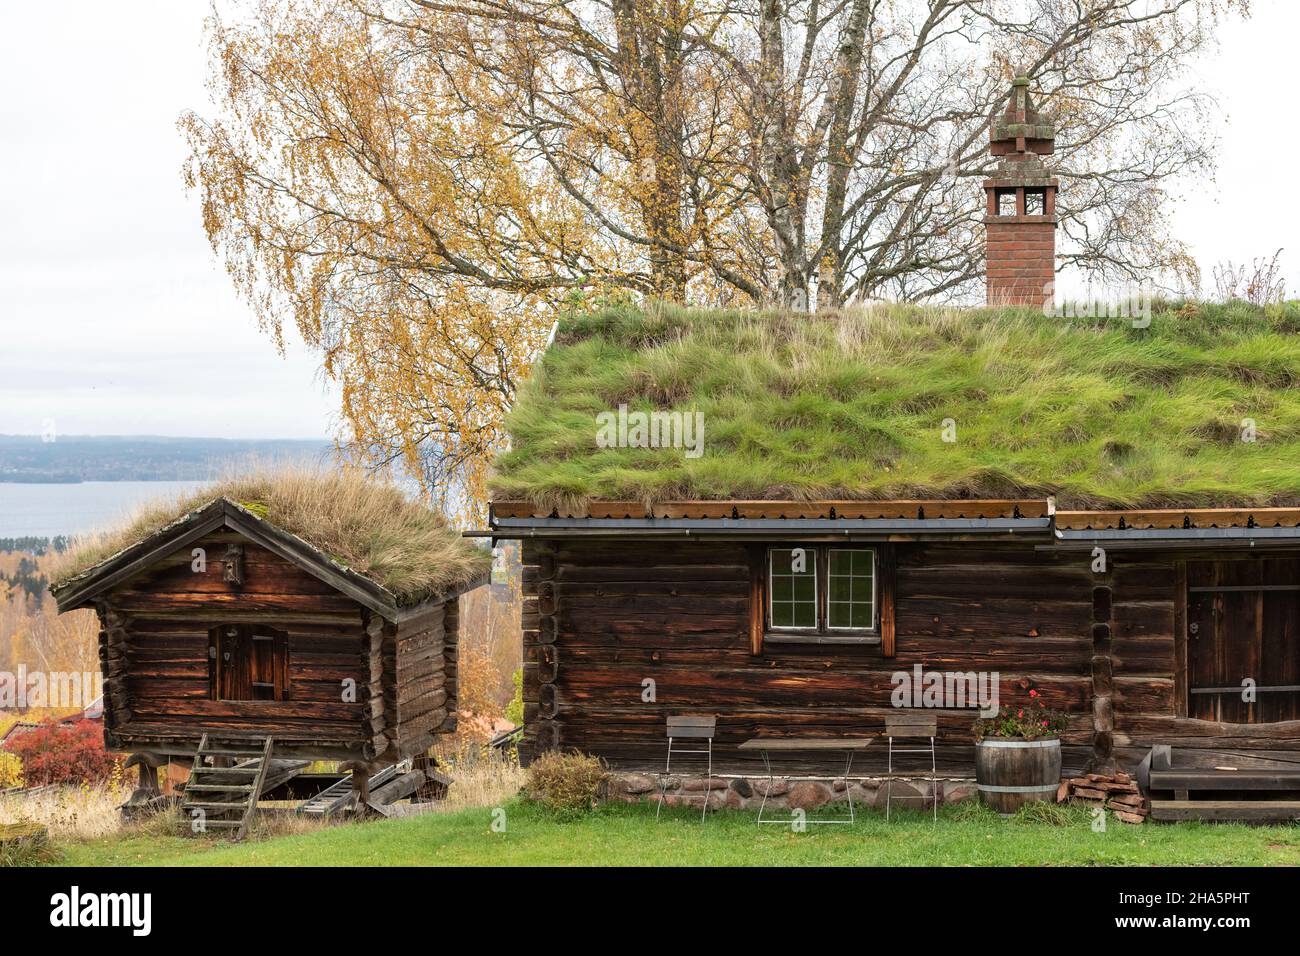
746, 793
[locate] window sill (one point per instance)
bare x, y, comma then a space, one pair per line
790, 637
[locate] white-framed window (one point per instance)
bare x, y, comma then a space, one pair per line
822, 591
851, 589
792, 596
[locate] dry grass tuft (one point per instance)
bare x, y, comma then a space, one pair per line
70, 813
360, 523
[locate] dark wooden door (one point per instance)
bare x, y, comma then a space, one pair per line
1243, 622
250, 662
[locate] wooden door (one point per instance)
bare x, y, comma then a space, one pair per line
250, 662
1243, 622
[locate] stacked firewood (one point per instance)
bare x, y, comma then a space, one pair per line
1118, 793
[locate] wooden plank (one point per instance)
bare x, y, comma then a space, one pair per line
1254, 811
793, 744
773, 508
1253, 779
1174, 518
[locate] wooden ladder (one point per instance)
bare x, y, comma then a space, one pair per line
339, 795
226, 796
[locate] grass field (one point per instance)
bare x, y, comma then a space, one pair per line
630, 836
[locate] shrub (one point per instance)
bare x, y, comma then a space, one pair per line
64, 753
567, 782
11, 770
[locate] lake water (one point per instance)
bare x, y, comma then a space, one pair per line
44, 511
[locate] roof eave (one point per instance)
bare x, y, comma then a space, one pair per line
83, 588
765, 527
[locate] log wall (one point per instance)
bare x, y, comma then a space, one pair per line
154, 647
618, 635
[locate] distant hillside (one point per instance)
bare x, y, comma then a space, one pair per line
74, 458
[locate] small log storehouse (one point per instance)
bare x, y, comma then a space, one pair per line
241, 620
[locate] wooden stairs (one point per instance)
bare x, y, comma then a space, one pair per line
226, 780
1222, 793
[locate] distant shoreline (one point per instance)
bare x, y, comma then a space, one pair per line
39, 479
78, 459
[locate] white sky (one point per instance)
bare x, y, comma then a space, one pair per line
115, 317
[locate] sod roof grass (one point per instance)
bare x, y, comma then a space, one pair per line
1199, 409
358, 523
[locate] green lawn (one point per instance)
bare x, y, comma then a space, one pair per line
630, 836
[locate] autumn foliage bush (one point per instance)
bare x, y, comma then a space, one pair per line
64, 753
11, 770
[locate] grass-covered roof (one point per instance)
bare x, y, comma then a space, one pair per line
854, 405
359, 524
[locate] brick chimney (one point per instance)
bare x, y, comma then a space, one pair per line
1021, 213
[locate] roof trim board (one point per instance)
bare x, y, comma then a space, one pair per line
833, 510
919, 517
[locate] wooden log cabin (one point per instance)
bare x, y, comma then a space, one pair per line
226, 623
768, 517
1141, 624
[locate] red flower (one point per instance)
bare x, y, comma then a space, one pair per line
1033, 693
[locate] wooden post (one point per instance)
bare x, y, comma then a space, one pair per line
888, 570
1103, 710
1180, 639
378, 718
541, 597
146, 765
360, 784
757, 598
112, 655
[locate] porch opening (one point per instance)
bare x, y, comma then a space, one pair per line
1243, 640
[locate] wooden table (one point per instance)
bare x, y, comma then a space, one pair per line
767, 746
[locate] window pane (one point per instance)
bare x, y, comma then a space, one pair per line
862, 614
792, 583
851, 589
782, 614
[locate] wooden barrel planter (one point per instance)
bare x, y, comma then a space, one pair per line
1010, 772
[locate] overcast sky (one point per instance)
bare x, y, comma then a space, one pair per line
116, 319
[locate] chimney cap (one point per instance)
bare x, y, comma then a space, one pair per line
1019, 127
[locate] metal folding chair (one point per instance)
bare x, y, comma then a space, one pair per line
691, 728
911, 725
